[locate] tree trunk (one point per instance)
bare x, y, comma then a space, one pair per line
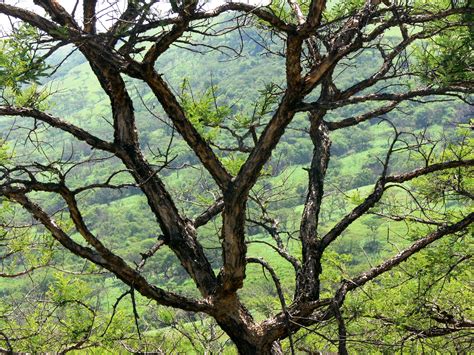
260, 348
238, 323
308, 284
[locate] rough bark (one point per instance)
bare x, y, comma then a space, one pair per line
219, 293
308, 277
179, 234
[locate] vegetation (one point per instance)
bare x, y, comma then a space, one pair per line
289, 178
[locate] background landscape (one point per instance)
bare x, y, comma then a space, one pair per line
241, 80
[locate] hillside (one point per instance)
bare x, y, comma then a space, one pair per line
236, 85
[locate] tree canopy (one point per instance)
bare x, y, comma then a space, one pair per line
343, 65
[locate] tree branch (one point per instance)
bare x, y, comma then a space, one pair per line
164, 42
186, 129
379, 189
315, 12
19, 196
365, 277
281, 296
257, 11
398, 97
429, 169
342, 347
108, 260
57, 13
279, 247
352, 121
178, 233
417, 333
211, 212
307, 285
55, 122
273, 131
90, 18
31, 18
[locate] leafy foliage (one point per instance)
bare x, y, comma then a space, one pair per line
447, 58
19, 60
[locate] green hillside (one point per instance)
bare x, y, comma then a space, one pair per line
245, 88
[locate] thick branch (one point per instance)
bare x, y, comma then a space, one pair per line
186, 128
319, 70
76, 217
90, 18
342, 347
379, 189
272, 133
164, 43
234, 249
362, 279
30, 17
352, 121
178, 233
113, 263
125, 131
235, 197
55, 122
315, 12
307, 286
57, 13
211, 212
50, 224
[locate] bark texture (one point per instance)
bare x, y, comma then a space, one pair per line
313, 49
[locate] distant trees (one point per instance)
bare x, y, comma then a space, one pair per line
422, 50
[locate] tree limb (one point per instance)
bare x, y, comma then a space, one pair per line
55, 122
365, 277
379, 189
211, 212
31, 18
186, 129
111, 262
90, 17
57, 13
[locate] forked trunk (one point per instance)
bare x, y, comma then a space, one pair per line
236, 321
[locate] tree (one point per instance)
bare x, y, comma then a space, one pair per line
319, 42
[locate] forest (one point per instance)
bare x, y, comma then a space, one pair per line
291, 177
